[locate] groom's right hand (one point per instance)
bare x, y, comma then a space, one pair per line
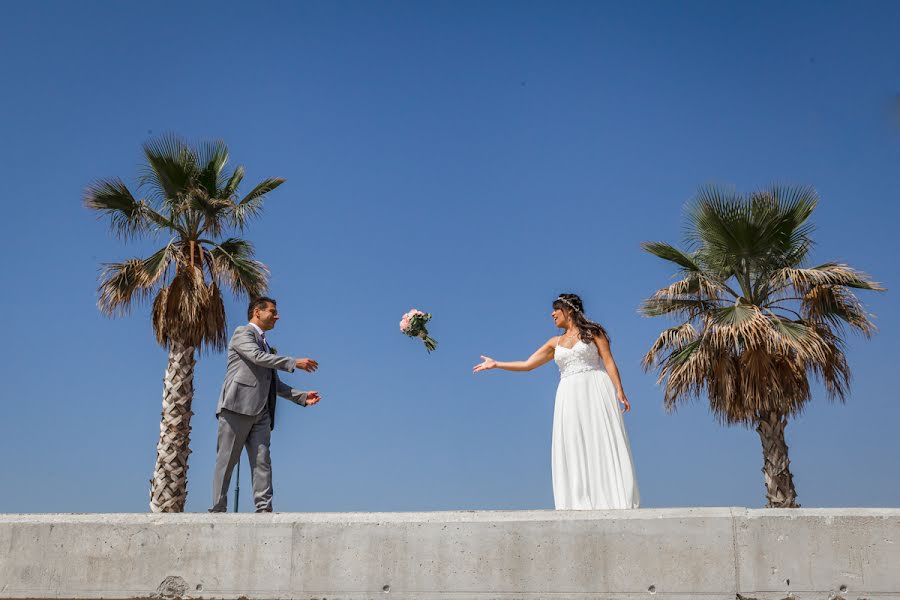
307, 364
312, 398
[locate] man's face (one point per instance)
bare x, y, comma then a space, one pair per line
267, 316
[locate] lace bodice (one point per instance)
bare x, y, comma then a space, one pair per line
579, 358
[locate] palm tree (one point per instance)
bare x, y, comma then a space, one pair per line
192, 200
757, 321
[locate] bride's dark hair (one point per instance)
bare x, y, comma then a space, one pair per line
572, 306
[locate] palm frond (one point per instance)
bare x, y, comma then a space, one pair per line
672, 254
211, 160
737, 326
779, 224
214, 212
167, 224
121, 284
766, 382
700, 285
686, 308
250, 205
685, 372
675, 338
793, 338
718, 222
834, 372
234, 181
837, 307
155, 266
171, 169
232, 262
751, 236
128, 216
739, 315
826, 274
215, 325
190, 310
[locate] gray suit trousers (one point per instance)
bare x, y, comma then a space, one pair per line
254, 433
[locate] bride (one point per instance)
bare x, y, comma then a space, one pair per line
591, 458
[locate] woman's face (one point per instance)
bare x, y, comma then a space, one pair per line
560, 318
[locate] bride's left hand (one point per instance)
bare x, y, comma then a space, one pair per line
626, 405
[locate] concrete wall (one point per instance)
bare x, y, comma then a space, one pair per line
673, 554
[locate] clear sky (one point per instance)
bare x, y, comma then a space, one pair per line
471, 159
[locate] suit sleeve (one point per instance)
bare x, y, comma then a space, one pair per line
244, 343
289, 393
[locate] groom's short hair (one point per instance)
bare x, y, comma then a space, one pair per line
258, 303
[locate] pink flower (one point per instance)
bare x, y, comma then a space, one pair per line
404, 323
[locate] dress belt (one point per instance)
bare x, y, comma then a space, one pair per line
576, 371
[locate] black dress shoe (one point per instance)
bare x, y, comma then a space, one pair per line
264, 510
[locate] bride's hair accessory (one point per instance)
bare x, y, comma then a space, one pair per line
566, 301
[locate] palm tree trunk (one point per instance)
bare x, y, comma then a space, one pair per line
168, 488
780, 490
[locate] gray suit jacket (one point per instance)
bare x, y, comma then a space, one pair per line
249, 375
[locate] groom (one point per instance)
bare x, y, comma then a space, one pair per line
246, 407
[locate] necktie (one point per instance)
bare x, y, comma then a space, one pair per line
272, 389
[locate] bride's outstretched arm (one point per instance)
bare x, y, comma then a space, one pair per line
612, 370
542, 356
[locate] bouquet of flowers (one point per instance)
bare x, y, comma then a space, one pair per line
413, 325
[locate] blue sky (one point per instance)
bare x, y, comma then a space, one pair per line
465, 158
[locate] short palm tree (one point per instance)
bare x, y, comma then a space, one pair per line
757, 322
192, 200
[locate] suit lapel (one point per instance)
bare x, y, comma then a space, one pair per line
272, 396
258, 338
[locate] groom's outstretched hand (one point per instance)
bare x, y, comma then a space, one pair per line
307, 364
312, 398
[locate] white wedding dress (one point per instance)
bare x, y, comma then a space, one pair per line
591, 456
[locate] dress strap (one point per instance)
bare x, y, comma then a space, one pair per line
559, 337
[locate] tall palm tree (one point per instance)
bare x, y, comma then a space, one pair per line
192, 200
757, 322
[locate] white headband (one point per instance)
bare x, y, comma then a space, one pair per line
572, 306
